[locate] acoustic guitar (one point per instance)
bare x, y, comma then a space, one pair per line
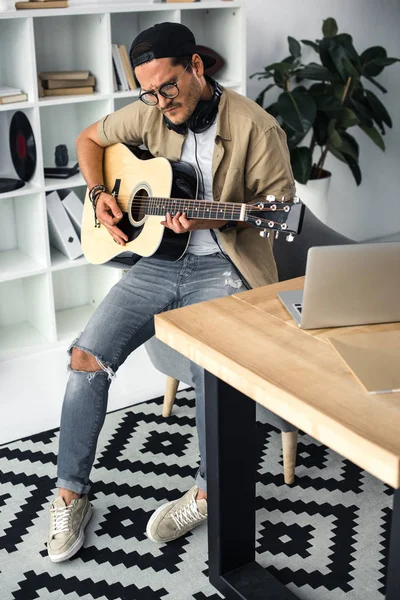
147, 189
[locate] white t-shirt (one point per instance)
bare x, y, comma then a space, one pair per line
201, 241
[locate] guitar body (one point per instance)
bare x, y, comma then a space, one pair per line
156, 177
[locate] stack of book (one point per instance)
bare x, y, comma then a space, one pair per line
65, 83
123, 72
30, 4
8, 95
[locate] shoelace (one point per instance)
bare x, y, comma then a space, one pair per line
187, 514
61, 518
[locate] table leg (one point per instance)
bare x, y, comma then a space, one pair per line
231, 484
393, 571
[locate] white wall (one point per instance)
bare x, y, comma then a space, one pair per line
372, 209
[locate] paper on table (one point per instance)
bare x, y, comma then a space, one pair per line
374, 359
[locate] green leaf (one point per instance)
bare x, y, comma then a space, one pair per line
313, 45
297, 110
367, 58
369, 55
329, 27
378, 85
350, 140
378, 108
384, 62
328, 104
347, 118
320, 128
347, 148
346, 41
301, 161
361, 112
349, 160
354, 167
317, 72
349, 69
375, 136
294, 47
282, 67
262, 75
260, 97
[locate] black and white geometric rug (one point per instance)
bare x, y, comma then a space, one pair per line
326, 537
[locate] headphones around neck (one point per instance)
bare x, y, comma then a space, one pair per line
204, 114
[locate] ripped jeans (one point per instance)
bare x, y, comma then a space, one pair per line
122, 322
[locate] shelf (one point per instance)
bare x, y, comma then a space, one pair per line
77, 292
78, 98
59, 261
50, 183
26, 312
130, 94
115, 7
30, 187
45, 298
16, 106
62, 123
23, 248
15, 264
71, 321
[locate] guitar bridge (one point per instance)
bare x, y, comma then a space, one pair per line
115, 190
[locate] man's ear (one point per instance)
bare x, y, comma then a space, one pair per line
197, 65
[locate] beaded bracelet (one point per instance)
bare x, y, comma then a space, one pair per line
95, 192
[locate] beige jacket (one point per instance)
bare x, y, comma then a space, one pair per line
250, 159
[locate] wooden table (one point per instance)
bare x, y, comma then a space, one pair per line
252, 349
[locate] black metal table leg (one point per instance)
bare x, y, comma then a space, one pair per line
393, 570
231, 484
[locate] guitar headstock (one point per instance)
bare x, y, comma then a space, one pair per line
270, 214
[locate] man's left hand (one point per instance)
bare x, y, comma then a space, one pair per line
179, 223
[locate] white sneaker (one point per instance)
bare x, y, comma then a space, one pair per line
67, 527
174, 519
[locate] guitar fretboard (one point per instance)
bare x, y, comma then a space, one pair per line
194, 209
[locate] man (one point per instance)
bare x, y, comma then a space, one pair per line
240, 152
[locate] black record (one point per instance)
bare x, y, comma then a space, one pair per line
9, 185
22, 146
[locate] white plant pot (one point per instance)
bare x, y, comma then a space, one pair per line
315, 194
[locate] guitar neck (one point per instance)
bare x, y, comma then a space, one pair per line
195, 209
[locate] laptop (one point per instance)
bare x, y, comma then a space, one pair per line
353, 284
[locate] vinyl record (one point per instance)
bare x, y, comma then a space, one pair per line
22, 146
9, 185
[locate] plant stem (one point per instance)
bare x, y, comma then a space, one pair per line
346, 89
321, 162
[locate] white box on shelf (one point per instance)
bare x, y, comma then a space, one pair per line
62, 234
74, 207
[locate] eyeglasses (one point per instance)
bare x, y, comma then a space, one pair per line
168, 90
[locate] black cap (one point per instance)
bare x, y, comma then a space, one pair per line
167, 40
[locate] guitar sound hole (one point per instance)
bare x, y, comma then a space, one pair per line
138, 205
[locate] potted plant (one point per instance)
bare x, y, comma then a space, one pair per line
320, 102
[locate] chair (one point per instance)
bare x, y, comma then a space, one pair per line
291, 262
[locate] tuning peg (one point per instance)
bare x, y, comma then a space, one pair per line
296, 200
276, 234
290, 237
264, 233
270, 198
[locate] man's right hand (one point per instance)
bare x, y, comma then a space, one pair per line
109, 214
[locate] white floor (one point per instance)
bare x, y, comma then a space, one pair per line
32, 389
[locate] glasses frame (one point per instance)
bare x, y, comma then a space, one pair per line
159, 90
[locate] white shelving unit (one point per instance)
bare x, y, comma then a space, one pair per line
44, 297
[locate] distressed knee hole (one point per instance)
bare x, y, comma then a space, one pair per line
83, 361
